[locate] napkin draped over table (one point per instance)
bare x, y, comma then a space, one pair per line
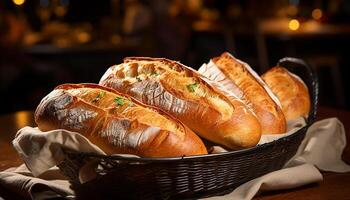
321, 149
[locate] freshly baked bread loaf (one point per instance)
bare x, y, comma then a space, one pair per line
290, 90
186, 95
115, 122
240, 79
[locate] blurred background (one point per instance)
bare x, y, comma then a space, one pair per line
44, 43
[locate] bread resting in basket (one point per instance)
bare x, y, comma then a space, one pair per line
155, 107
116, 122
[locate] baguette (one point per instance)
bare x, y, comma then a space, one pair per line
290, 90
186, 95
116, 122
240, 79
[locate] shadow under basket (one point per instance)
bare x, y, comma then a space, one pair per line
187, 177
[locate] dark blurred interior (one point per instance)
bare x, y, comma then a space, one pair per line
44, 43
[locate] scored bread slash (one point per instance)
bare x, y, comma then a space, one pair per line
239, 78
188, 96
116, 122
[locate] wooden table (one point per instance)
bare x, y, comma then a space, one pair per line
334, 185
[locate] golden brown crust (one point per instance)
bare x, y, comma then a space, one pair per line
185, 94
116, 122
290, 90
253, 93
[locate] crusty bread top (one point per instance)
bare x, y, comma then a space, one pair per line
122, 106
181, 91
245, 78
178, 79
291, 90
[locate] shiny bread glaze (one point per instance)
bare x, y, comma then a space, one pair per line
290, 90
116, 122
186, 95
253, 91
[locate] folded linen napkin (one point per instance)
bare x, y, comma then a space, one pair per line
322, 147
21, 184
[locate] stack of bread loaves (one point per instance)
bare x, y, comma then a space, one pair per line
155, 107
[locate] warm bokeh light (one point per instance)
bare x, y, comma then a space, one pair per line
18, 2
22, 119
317, 14
83, 37
60, 11
293, 24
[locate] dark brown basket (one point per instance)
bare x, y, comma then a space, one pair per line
188, 177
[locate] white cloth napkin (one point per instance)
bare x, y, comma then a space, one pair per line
322, 147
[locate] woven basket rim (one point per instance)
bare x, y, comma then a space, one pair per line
188, 158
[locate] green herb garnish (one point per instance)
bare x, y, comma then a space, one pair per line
138, 79
154, 73
119, 101
99, 96
192, 87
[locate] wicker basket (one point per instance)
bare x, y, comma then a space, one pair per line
188, 177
